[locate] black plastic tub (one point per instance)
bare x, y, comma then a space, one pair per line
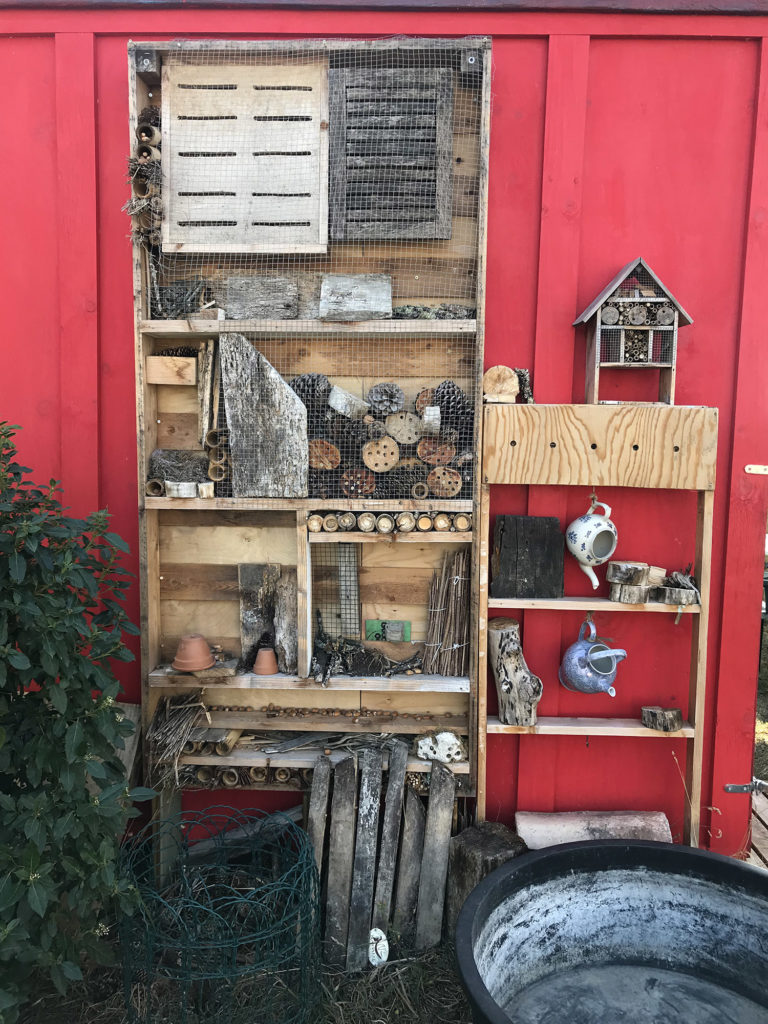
617, 932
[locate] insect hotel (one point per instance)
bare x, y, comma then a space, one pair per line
633, 324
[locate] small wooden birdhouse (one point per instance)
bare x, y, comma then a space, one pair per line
633, 323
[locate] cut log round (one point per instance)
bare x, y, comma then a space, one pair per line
385, 523
404, 427
323, 454
674, 595
315, 523
634, 573
406, 522
662, 719
381, 455
347, 521
518, 689
435, 452
424, 398
462, 521
442, 521
419, 491
424, 522
330, 523
357, 481
154, 488
444, 483
627, 594
366, 522
500, 384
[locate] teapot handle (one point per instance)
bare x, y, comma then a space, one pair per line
600, 504
588, 624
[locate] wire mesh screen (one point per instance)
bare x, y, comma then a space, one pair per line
318, 203
336, 590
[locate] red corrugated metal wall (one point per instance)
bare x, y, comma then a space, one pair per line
613, 136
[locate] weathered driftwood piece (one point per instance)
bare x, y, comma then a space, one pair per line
472, 855
317, 816
286, 621
259, 298
390, 835
356, 297
205, 361
347, 404
662, 719
178, 465
633, 573
409, 868
258, 586
538, 829
341, 849
434, 860
364, 870
500, 384
627, 594
527, 557
445, 747
518, 689
267, 424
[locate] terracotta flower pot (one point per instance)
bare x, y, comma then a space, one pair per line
193, 654
265, 663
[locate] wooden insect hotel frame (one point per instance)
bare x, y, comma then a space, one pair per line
309, 263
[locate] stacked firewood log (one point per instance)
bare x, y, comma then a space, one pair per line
385, 447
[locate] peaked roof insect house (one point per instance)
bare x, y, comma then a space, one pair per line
633, 324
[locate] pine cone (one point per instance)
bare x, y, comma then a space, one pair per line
312, 388
386, 398
454, 404
149, 115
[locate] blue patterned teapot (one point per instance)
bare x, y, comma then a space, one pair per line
589, 666
592, 539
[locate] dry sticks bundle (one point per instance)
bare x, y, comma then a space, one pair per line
168, 733
447, 644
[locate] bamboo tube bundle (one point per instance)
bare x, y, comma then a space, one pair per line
315, 523
154, 488
330, 523
347, 520
442, 521
366, 522
215, 437
282, 775
168, 733
205, 775
258, 774
406, 522
385, 523
462, 522
424, 522
228, 744
228, 777
217, 473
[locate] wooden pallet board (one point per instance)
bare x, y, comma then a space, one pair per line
364, 865
434, 861
340, 861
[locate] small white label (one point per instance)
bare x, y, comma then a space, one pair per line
759, 470
378, 947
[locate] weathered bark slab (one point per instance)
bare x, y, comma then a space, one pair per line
286, 621
341, 850
527, 557
258, 586
317, 816
260, 298
472, 855
267, 424
390, 834
364, 872
347, 404
518, 689
356, 297
662, 719
409, 869
434, 861
540, 829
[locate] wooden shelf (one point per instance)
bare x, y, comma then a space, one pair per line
634, 366
304, 758
310, 504
627, 727
587, 604
212, 328
382, 722
416, 537
166, 677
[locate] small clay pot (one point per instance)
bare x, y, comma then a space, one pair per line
265, 663
193, 654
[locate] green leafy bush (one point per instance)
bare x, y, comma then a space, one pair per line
63, 795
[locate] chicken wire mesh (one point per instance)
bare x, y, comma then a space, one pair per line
317, 203
226, 925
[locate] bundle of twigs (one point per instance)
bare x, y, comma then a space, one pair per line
168, 732
447, 644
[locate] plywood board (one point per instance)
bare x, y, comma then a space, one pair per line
601, 445
227, 545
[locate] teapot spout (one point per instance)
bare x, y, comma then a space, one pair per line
591, 573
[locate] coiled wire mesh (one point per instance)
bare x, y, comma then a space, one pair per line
226, 927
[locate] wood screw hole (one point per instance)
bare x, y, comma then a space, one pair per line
512, 444
676, 448
635, 447
593, 446
552, 444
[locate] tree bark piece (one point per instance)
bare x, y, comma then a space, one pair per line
518, 689
434, 861
347, 404
527, 557
317, 816
286, 621
260, 298
627, 594
356, 297
662, 719
363, 876
542, 828
341, 849
633, 573
267, 425
390, 834
472, 855
409, 869
258, 594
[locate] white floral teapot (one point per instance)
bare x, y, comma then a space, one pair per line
592, 539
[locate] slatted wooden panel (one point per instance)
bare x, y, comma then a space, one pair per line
391, 142
245, 157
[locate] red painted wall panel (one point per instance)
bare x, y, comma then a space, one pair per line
612, 137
